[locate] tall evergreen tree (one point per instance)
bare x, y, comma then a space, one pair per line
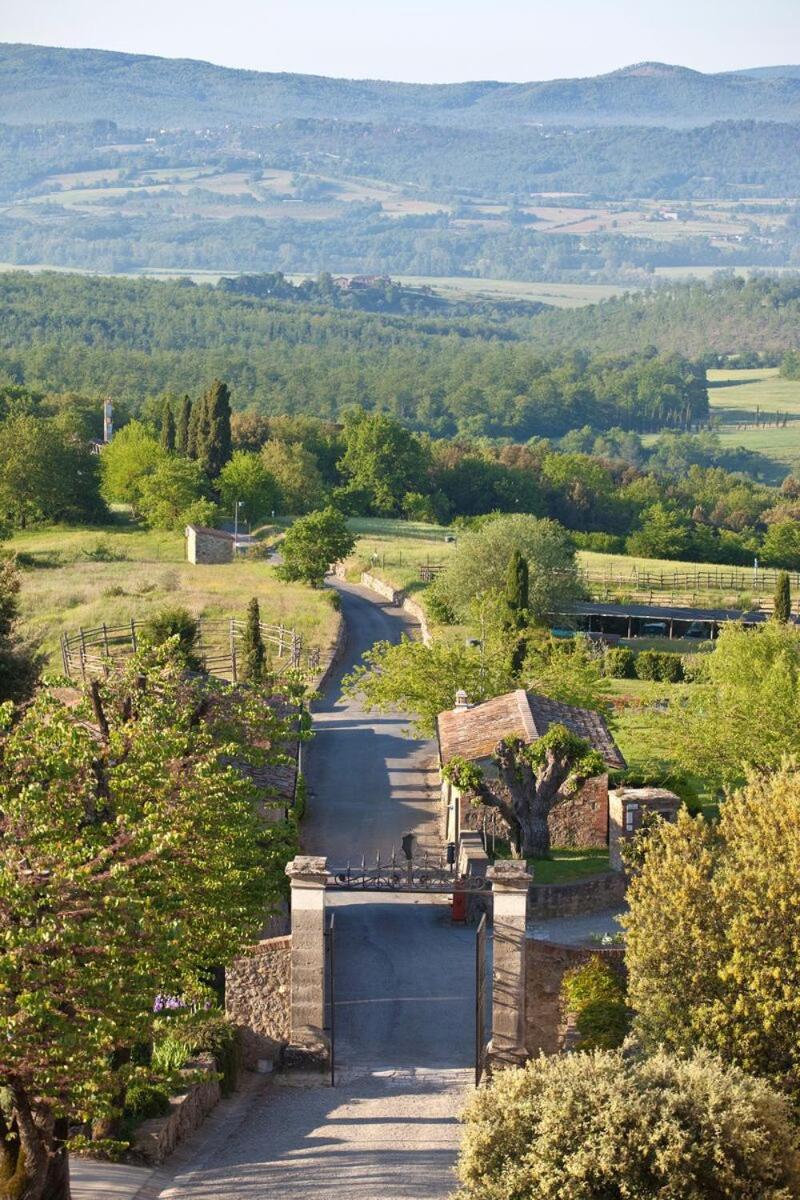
182, 426
168, 428
213, 445
253, 653
517, 581
782, 604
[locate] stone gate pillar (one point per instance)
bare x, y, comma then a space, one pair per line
510, 883
308, 876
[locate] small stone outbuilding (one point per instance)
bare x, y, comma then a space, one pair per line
626, 810
473, 731
206, 546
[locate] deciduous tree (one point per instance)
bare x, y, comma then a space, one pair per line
713, 930
313, 544
132, 858
532, 776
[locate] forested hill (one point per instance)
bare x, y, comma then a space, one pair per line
43, 83
727, 316
474, 376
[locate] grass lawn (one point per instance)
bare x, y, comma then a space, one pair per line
566, 865
63, 589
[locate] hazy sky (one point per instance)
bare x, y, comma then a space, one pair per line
414, 40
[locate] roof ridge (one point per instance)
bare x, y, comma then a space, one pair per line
526, 713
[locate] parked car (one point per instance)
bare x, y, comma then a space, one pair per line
699, 630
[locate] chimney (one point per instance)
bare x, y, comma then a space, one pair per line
462, 701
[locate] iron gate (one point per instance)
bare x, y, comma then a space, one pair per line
330, 979
480, 999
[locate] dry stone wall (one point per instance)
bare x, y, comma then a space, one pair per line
258, 999
545, 966
598, 893
154, 1140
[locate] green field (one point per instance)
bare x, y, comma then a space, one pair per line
745, 404
63, 589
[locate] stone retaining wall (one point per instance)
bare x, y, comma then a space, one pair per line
334, 654
400, 600
545, 966
595, 894
258, 999
154, 1140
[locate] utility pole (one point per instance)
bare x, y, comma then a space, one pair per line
236, 508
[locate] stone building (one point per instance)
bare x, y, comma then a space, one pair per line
208, 546
626, 810
473, 731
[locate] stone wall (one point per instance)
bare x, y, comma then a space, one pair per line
258, 999
594, 894
545, 965
582, 818
154, 1140
579, 820
208, 548
400, 600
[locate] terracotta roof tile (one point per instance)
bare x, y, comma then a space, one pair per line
474, 733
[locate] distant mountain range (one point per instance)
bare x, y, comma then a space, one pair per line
45, 84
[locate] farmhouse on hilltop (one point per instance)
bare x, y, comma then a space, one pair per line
473, 731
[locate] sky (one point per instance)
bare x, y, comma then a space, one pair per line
431, 41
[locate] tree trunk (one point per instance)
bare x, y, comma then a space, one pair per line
42, 1167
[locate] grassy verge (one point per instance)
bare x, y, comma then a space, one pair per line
65, 586
565, 865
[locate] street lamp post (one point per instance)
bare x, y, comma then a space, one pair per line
236, 508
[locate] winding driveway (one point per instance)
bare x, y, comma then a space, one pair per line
404, 984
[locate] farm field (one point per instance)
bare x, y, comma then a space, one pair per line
736, 397
70, 581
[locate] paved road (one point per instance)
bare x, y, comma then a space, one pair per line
369, 783
404, 986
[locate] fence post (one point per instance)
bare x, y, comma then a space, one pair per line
232, 633
83, 653
134, 643
105, 638
65, 655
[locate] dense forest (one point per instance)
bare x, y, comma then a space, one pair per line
729, 316
470, 375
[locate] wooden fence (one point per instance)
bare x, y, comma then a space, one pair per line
91, 651
722, 579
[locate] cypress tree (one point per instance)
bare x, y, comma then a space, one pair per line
168, 429
182, 426
214, 446
517, 581
517, 587
253, 652
195, 436
782, 604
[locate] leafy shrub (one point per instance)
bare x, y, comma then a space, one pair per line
170, 1053
659, 666
694, 667
595, 993
103, 552
601, 1124
619, 663
188, 1033
144, 1100
603, 543
175, 623
114, 590
437, 607
334, 598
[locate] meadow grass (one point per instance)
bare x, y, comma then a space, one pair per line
63, 589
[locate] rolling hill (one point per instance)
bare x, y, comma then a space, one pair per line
44, 83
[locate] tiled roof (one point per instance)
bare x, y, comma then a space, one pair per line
205, 531
473, 733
